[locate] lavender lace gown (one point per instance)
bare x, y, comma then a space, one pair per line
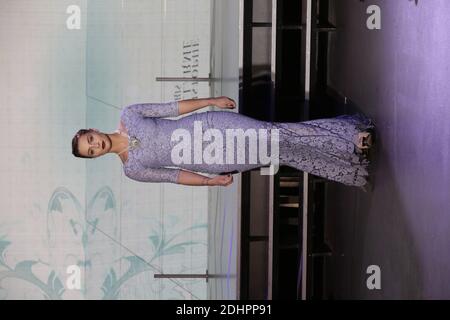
323, 147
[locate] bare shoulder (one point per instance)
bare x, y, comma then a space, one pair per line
124, 156
122, 127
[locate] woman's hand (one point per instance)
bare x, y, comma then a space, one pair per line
224, 103
220, 180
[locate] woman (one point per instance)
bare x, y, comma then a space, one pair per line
333, 148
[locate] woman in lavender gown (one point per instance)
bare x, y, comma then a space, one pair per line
149, 145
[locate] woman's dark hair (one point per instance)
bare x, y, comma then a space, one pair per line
75, 139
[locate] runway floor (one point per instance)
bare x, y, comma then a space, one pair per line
400, 76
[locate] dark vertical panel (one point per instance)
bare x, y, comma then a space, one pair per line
245, 191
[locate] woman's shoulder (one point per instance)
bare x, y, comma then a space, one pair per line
122, 127
124, 157
133, 167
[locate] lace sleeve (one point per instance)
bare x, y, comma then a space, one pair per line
143, 174
155, 110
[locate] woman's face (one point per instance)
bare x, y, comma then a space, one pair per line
94, 144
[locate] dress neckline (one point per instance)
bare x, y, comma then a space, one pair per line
124, 133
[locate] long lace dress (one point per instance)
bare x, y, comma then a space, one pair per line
323, 147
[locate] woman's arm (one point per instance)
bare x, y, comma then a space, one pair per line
186, 106
152, 110
176, 108
193, 179
174, 175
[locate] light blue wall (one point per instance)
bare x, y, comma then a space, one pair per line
58, 210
